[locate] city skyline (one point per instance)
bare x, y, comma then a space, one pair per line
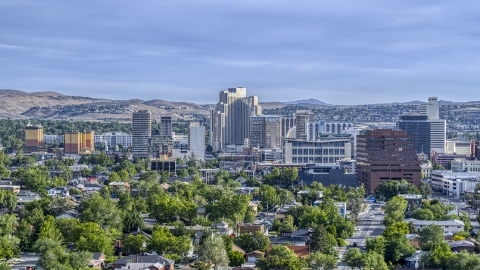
340, 53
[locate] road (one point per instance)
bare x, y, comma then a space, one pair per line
366, 228
28, 260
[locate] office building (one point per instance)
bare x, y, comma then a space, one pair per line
58, 139
141, 133
164, 163
321, 127
465, 165
454, 183
265, 131
114, 139
196, 141
427, 128
326, 174
287, 124
385, 155
458, 147
33, 138
303, 152
230, 119
302, 118
166, 126
78, 142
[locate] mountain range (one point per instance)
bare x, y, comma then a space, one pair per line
17, 104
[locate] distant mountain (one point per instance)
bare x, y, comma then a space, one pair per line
308, 101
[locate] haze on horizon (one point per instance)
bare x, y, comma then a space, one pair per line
340, 52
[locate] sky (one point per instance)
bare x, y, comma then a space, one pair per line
339, 52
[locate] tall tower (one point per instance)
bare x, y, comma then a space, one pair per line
166, 126
429, 130
230, 119
141, 133
196, 140
302, 118
266, 131
33, 138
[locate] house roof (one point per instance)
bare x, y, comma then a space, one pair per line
461, 243
97, 255
416, 257
145, 259
452, 222
256, 253
237, 248
300, 251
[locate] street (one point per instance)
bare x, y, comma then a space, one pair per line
366, 228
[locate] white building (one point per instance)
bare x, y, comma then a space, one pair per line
196, 141
297, 151
451, 226
114, 138
454, 183
463, 165
458, 148
53, 139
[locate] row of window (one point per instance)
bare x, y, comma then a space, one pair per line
318, 144
318, 152
315, 159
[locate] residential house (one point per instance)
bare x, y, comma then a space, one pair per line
414, 240
301, 251
157, 262
251, 258
10, 186
90, 188
295, 238
98, 260
414, 261
68, 214
452, 226
24, 197
120, 185
60, 191
457, 246
250, 228
224, 229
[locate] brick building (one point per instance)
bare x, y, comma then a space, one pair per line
385, 155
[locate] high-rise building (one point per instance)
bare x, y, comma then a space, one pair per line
141, 133
76, 142
265, 131
33, 138
429, 130
166, 126
230, 119
287, 124
196, 140
385, 155
302, 118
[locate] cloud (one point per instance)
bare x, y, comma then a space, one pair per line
341, 51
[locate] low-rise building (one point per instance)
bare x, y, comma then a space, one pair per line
452, 226
455, 184
326, 174
465, 165
250, 228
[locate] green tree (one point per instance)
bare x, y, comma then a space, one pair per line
135, 243
373, 261
254, 241
49, 230
353, 258
161, 240
150, 177
213, 251
320, 261
439, 256
430, 236
91, 237
182, 173
236, 258
376, 244
100, 210
287, 224
423, 214
9, 247
280, 258
425, 190
268, 196
322, 241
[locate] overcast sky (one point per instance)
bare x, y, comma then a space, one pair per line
340, 52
